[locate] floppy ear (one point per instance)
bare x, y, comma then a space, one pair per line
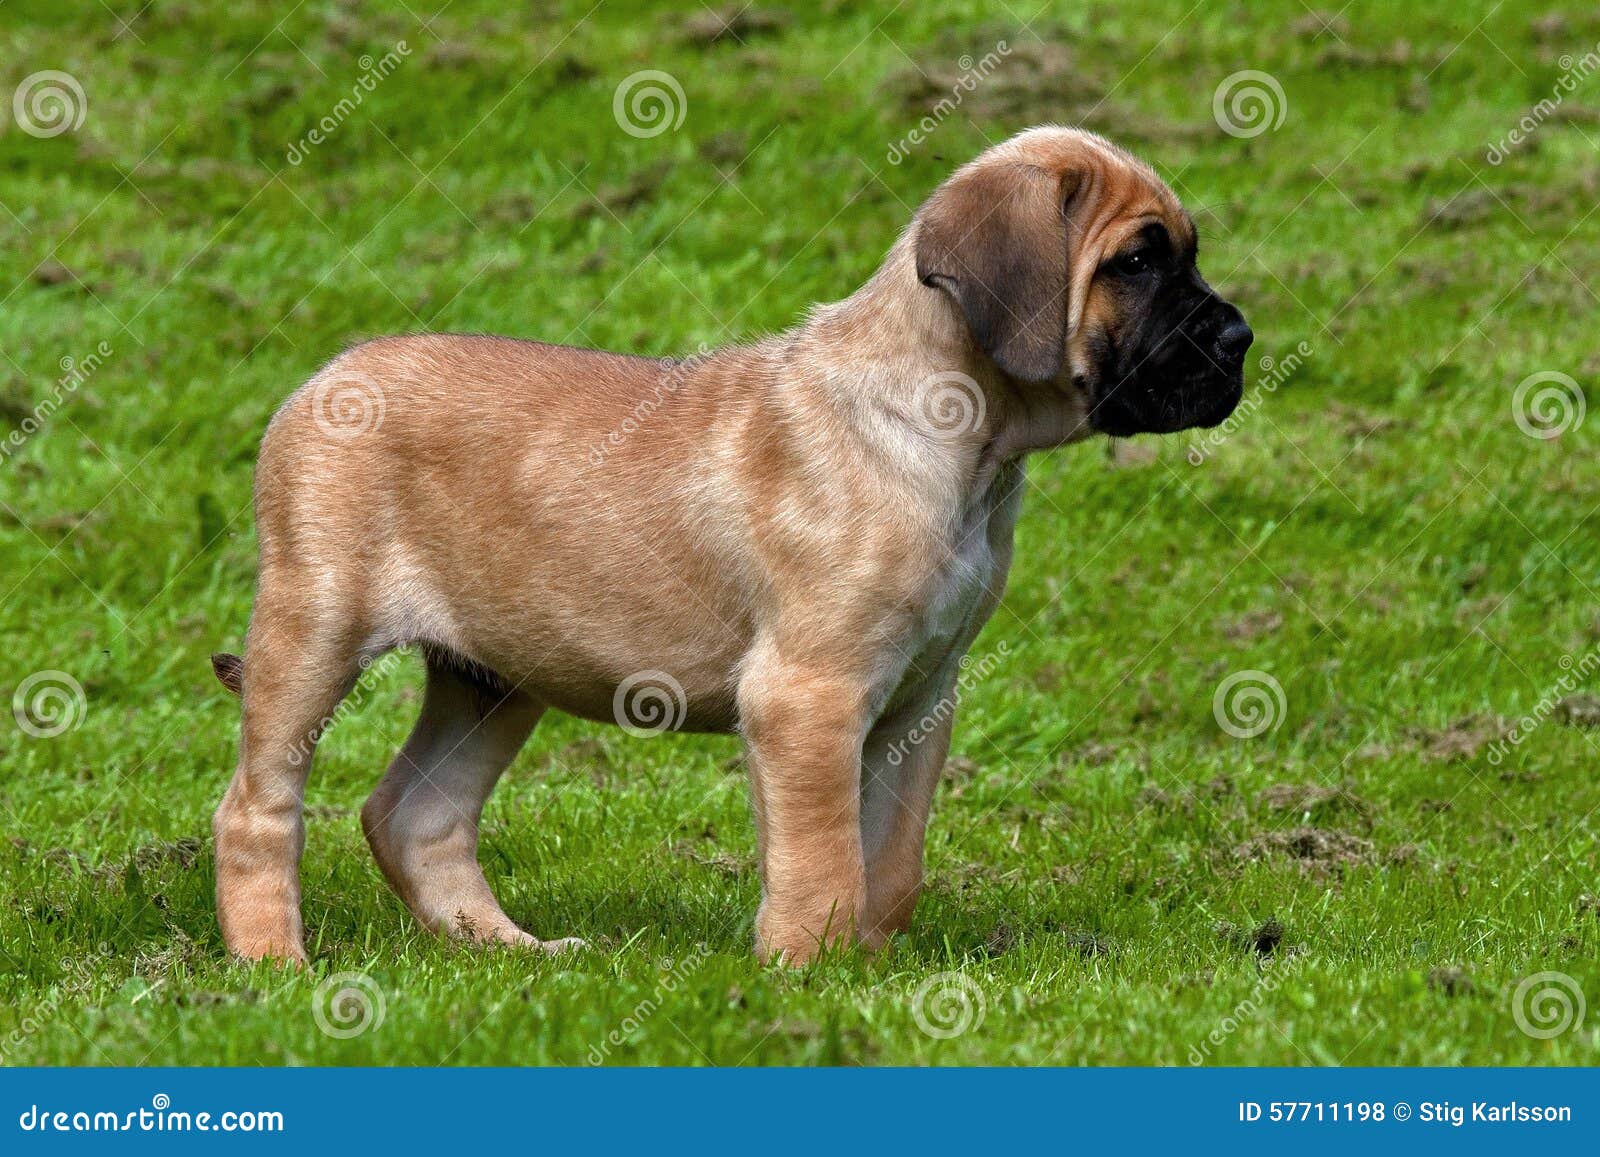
996, 240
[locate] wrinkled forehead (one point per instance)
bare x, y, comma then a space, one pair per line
1124, 194
1133, 199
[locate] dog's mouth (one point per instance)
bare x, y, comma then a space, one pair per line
1148, 404
1182, 380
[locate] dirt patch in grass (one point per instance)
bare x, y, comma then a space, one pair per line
1397, 54
735, 22
1468, 207
1251, 626
1263, 939
1031, 81
1462, 739
724, 863
1320, 22
1187, 798
1313, 849
1306, 799
1451, 980
638, 189
1581, 709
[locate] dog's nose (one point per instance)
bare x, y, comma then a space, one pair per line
1234, 340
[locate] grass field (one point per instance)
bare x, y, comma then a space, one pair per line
1116, 878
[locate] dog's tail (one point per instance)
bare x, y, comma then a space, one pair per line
229, 670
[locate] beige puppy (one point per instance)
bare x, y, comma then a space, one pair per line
796, 539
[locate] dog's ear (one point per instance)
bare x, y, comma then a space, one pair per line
996, 239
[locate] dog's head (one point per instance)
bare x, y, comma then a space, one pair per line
1073, 266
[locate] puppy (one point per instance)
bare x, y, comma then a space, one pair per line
795, 539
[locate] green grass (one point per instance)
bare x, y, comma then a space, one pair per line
1379, 536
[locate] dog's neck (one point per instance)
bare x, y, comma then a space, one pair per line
918, 338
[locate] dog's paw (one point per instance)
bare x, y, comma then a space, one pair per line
565, 944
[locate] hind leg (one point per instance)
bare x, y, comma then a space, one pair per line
296, 672
422, 820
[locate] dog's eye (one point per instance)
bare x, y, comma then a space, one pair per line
1130, 264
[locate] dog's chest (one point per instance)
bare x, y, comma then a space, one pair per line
962, 590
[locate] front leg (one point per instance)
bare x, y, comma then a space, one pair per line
803, 727
900, 766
